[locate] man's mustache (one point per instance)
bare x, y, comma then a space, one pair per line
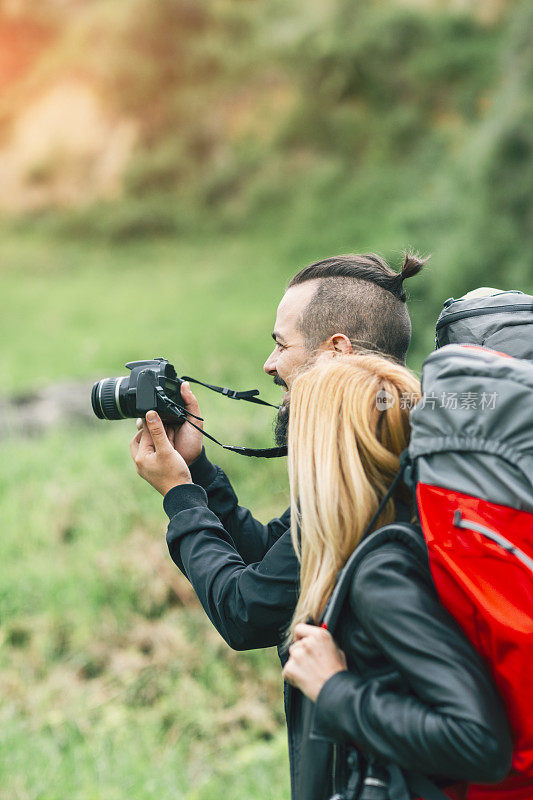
280, 382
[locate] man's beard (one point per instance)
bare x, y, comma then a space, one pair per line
281, 427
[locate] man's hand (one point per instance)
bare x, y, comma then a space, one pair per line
156, 460
314, 658
186, 439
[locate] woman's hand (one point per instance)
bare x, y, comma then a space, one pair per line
314, 658
156, 460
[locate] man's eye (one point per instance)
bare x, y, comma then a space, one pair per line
280, 346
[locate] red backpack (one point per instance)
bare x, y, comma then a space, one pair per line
471, 455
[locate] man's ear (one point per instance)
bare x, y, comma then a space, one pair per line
339, 343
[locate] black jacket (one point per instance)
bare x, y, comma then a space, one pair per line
416, 692
244, 573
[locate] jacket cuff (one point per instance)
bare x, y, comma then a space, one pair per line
203, 472
182, 497
330, 706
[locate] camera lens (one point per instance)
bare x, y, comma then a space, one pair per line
106, 399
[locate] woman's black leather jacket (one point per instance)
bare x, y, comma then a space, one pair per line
416, 693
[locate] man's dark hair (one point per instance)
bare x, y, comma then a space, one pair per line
361, 297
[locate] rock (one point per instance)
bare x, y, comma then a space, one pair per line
35, 413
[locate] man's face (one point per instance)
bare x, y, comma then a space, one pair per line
290, 353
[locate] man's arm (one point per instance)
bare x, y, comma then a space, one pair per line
252, 539
249, 604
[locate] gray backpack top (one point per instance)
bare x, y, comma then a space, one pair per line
500, 320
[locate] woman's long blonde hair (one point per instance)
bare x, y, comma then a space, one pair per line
349, 422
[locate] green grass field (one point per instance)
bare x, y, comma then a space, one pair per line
112, 681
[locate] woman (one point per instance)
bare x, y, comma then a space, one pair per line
400, 685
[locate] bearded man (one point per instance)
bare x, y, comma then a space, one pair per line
246, 573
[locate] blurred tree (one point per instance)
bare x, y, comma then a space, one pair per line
497, 229
381, 77
508, 160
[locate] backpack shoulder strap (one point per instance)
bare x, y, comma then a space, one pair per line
409, 535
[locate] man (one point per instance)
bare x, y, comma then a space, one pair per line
245, 573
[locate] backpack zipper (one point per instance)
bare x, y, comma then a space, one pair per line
460, 522
476, 312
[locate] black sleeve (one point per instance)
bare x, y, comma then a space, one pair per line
449, 721
250, 605
252, 539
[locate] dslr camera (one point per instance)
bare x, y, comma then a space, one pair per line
154, 386
151, 385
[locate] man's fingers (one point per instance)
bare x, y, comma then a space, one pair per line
146, 444
140, 423
134, 444
191, 403
157, 432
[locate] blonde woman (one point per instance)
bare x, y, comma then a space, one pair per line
401, 685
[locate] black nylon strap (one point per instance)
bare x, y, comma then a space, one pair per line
404, 458
334, 604
354, 781
182, 413
246, 394
398, 788
367, 545
268, 452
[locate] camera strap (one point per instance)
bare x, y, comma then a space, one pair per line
267, 452
182, 413
246, 394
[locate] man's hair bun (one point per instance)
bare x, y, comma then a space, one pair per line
412, 264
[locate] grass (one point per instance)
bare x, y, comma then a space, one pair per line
79, 310
113, 682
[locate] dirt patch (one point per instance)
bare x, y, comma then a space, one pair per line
64, 150
35, 413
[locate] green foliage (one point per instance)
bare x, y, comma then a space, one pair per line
248, 110
506, 169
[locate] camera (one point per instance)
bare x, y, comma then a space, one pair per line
154, 386
151, 385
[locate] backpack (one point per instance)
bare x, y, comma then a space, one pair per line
471, 462
470, 465
500, 320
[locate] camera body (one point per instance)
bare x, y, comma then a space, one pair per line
151, 385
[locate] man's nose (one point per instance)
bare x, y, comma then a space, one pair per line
270, 364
